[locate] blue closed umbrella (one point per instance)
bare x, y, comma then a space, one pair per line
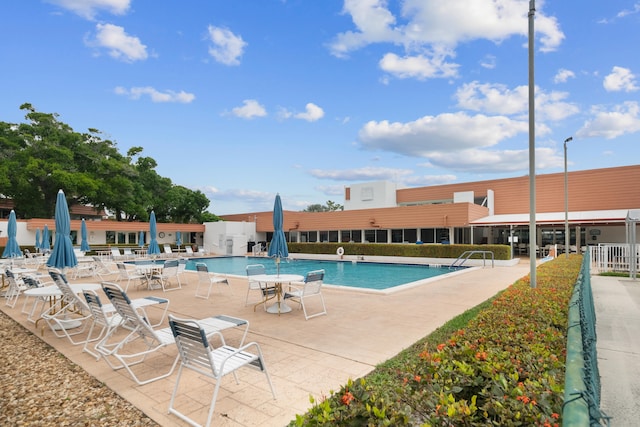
141, 239
278, 246
62, 255
37, 240
44, 245
153, 248
178, 239
84, 245
12, 250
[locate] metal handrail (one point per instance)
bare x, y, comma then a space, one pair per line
469, 254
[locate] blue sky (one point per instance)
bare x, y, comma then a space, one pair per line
248, 98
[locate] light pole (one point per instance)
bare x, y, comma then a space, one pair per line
566, 201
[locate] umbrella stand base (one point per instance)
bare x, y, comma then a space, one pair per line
279, 307
68, 324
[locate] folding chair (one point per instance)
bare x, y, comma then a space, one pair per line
312, 287
207, 280
142, 340
16, 286
197, 354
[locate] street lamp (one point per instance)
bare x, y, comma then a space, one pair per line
566, 200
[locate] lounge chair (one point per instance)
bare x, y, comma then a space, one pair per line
310, 288
127, 253
32, 282
142, 340
197, 354
116, 255
72, 309
168, 252
188, 250
102, 269
16, 287
207, 280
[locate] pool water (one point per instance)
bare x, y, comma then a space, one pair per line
367, 275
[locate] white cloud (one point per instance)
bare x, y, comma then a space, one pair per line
495, 161
624, 119
419, 66
250, 109
488, 62
563, 75
227, 47
429, 27
88, 9
360, 174
118, 43
156, 95
311, 114
499, 99
620, 79
449, 132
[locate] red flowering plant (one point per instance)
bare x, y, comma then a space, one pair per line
504, 367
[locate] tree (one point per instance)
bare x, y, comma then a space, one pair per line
329, 207
43, 155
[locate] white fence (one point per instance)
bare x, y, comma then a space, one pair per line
616, 257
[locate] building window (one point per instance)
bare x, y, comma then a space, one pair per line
122, 238
410, 235
396, 236
427, 235
110, 237
333, 236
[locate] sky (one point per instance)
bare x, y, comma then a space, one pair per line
245, 99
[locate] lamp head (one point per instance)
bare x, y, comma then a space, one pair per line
568, 139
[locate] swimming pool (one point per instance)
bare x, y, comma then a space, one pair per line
363, 275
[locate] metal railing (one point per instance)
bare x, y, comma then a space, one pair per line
582, 379
616, 257
467, 254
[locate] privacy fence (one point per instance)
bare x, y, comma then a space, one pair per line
582, 379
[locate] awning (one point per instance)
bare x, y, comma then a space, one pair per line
580, 217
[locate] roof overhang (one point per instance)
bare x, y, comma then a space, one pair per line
582, 217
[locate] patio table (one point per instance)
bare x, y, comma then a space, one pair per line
276, 280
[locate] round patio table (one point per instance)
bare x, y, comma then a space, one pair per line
277, 280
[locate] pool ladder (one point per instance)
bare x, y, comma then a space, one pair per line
467, 254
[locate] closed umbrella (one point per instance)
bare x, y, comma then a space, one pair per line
141, 239
62, 255
12, 249
38, 240
178, 240
84, 245
44, 245
153, 248
278, 246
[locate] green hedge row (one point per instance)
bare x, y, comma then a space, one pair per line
500, 252
504, 368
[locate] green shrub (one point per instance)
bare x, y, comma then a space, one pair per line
504, 367
501, 252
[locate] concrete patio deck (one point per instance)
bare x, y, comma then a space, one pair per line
304, 358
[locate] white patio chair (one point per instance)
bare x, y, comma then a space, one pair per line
102, 269
107, 318
167, 275
253, 285
168, 252
197, 354
116, 255
188, 250
15, 288
128, 274
31, 282
142, 340
206, 280
310, 288
73, 308
127, 253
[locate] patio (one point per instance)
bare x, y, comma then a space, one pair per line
304, 358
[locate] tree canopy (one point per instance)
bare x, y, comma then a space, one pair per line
330, 206
43, 155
